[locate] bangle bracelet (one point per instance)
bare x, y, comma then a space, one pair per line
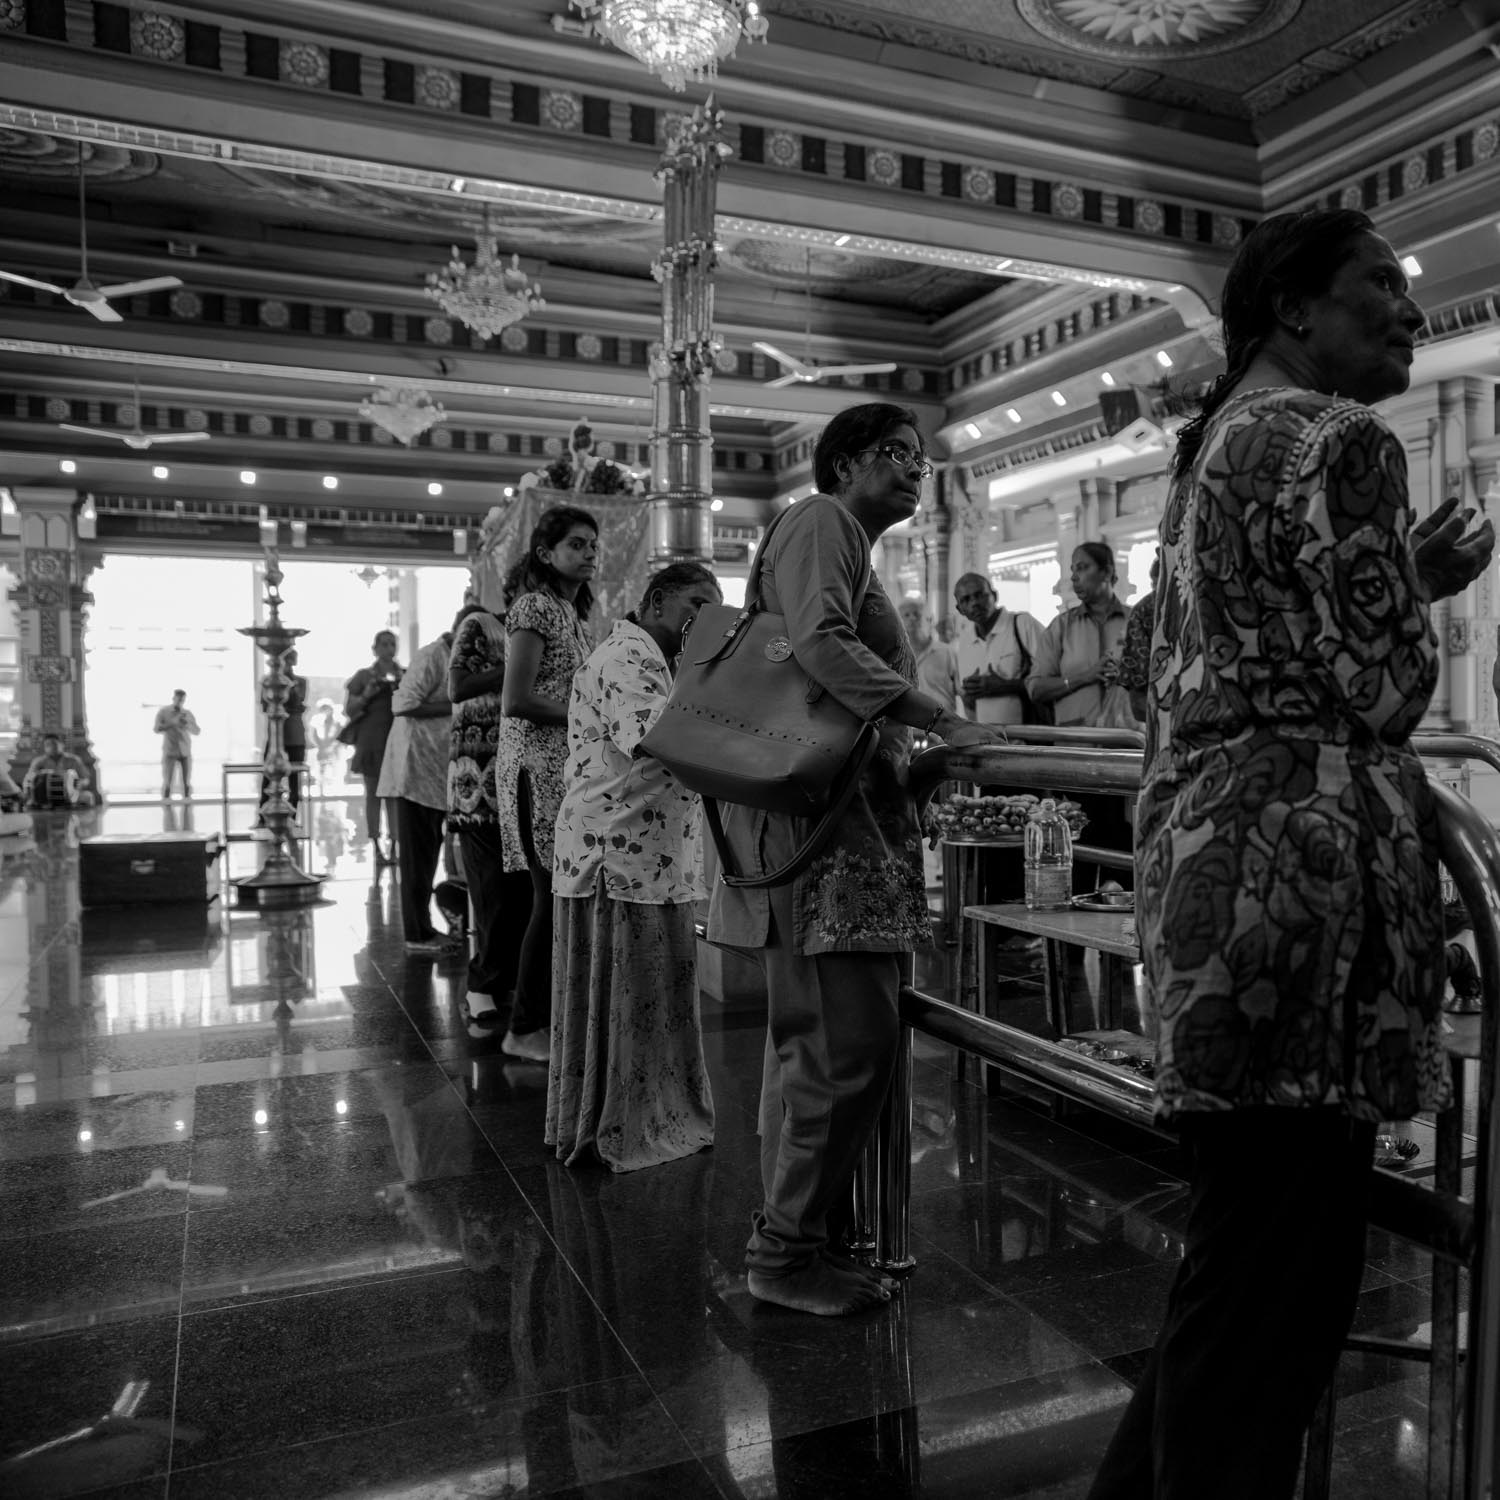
931, 724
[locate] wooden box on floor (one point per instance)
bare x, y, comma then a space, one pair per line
149, 869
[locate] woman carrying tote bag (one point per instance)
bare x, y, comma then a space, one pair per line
834, 937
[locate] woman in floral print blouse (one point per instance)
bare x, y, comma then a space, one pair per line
627, 1083
1287, 871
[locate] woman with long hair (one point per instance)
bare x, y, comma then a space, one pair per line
546, 642
627, 1084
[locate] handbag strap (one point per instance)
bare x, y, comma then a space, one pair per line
860, 757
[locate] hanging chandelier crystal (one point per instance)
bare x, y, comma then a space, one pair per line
677, 39
405, 411
486, 296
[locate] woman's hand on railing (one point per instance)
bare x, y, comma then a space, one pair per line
967, 735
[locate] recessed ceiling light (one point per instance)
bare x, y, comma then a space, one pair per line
1164, 359
841, 241
974, 430
330, 481
1058, 399
1013, 414
1107, 378
716, 505
509, 492
1411, 265
458, 184
68, 466
434, 488
160, 471
247, 476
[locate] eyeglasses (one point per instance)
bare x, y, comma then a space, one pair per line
902, 456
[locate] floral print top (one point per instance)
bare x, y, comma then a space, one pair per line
538, 750
1287, 865
478, 646
625, 819
865, 893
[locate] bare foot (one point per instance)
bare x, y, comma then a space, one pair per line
818, 1288
847, 1265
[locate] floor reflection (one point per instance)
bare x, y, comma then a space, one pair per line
273, 1225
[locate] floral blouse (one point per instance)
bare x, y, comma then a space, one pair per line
866, 892
627, 820
478, 646
1287, 866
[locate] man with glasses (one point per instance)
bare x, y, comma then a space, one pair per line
995, 653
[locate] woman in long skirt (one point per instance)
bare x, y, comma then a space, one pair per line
627, 1083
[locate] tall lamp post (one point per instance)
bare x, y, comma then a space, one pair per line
279, 882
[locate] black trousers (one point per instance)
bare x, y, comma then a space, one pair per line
499, 907
419, 844
1259, 1310
533, 1008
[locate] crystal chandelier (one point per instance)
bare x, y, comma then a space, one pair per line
486, 296
677, 38
405, 411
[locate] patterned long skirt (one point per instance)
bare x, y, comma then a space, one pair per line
627, 1081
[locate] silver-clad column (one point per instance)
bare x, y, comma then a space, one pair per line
891, 1149
682, 363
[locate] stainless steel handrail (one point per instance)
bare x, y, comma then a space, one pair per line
1075, 734
1454, 1228
1458, 747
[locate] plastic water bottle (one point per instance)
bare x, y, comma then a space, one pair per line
1049, 859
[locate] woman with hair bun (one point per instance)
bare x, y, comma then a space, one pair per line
546, 641
627, 1084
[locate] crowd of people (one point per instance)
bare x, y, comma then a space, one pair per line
1289, 909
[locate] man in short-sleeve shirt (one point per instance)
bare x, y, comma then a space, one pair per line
995, 650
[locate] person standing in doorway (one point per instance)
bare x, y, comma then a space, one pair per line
176, 726
995, 652
367, 706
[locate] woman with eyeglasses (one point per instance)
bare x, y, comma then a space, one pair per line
834, 939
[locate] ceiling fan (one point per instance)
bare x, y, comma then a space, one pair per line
806, 371
137, 436
83, 293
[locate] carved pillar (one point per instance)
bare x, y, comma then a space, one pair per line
50, 605
937, 579
682, 363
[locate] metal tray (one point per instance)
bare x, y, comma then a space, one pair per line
1122, 905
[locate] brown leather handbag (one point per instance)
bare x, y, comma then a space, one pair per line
745, 724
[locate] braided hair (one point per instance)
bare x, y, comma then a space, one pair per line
1287, 255
672, 579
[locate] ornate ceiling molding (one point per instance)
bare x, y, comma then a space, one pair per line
1156, 30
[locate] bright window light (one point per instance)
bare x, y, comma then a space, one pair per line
434, 488
330, 481
1164, 359
247, 476
1411, 265
1107, 378
1058, 399
974, 430
161, 471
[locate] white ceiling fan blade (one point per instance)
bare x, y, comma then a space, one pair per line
780, 356
180, 437
100, 309
41, 286
781, 380
880, 369
91, 431
138, 288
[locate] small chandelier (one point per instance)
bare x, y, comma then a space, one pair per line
486, 296
405, 411
677, 39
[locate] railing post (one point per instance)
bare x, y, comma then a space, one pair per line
891, 1150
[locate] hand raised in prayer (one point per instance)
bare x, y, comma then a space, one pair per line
1448, 560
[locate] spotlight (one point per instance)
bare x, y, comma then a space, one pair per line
330, 481
247, 476
261, 1117
68, 466
1411, 265
509, 492
1013, 414
457, 184
1107, 378
161, 471
716, 505
974, 430
434, 488
841, 241
1058, 399
1164, 359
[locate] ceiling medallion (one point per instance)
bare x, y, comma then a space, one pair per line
404, 411
676, 39
1162, 29
486, 296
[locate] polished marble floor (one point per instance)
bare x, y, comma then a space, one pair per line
272, 1226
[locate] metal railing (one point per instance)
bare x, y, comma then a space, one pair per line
1461, 1233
